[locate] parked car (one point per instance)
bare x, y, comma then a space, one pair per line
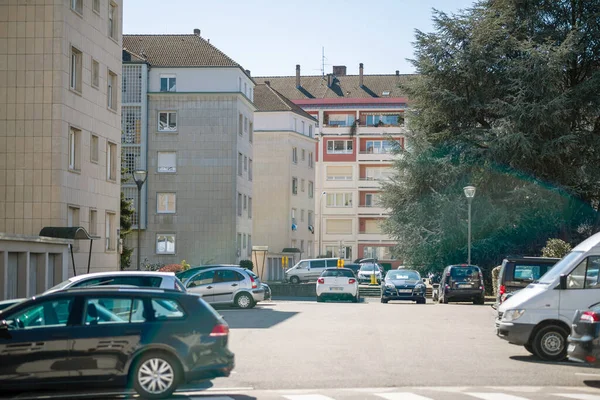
267, 291
367, 270
309, 270
148, 279
403, 284
584, 340
461, 283
335, 283
518, 272
353, 266
113, 337
227, 285
185, 275
539, 317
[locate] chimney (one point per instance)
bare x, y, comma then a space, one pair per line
339, 70
197, 32
298, 76
397, 73
360, 74
268, 83
248, 72
329, 80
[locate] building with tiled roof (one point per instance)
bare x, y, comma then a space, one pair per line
361, 119
188, 121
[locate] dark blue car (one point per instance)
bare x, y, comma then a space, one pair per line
403, 284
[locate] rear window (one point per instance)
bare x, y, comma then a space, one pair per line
166, 309
139, 281
465, 274
341, 273
527, 272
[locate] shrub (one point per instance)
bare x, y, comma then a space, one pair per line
185, 265
171, 268
556, 248
247, 264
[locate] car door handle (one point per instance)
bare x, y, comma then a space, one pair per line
209, 287
235, 284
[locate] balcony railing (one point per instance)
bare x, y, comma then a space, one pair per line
339, 178
376, 152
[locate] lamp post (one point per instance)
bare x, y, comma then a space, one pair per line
139, 176
320, 222
469, 193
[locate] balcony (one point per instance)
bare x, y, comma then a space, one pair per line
369, 182
382, 131
372, 236
341, 182
371, 209
370, 156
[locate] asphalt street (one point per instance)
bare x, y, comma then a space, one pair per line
303, 350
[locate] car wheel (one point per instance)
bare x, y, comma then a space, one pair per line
384, 301
355, 298
421, 301
244, 300
295, 280
319, 299
479, 301
155, 376
549, 343
445, 300
529, 348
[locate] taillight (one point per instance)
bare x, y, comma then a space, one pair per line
502, 289
220, 330
590, 359
589, 316
351, 280
254, 285
321, 280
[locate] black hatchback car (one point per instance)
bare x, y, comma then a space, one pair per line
585, 334
151, 339
462, 283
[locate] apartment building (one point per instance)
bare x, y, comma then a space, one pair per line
60, 67
361, 119
188, 120
284, 179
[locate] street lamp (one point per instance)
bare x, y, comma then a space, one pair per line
320, 222
139, 176
470, 193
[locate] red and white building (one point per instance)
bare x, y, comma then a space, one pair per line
361, 118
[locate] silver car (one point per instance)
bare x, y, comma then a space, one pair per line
227, 285
150, 279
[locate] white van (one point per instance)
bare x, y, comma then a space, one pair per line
309, 270
539, 316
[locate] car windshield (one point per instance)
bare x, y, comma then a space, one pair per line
404, 275
338, 273
368, 267
559, 268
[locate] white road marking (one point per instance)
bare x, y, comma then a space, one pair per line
578, 396
402, 396
307, 397
496, 396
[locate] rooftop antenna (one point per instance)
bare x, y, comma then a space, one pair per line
323, 61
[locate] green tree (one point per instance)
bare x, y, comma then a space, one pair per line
126, 223
556, 248
506, 99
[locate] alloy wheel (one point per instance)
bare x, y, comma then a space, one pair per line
156, 376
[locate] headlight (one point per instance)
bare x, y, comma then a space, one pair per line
390, 286
419, 288
512, 315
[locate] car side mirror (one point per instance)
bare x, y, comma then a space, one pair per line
563, 282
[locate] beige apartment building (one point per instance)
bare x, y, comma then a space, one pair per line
361, 119
60, 67
284, 179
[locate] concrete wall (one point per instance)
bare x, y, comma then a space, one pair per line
37, 109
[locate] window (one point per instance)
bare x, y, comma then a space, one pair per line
311, 162
167, 161
239, 204
112, 20
241, 125
301, 215
339, 119
95, 73
244, 243
303, 154
77, 6
110, 231
339, 146
140, 281
250, 245
48, 314
76, 69
294, 216
377, 252
294, 244
96, 6
240, 161
106, 310
384, 120
73, 216
250, 169
251, 132
240, 84
93, 222
167, 121
228, 275
302, 246
303, 127
245, 163
371, 199
309, 249
239, 244
168, 83
339, 199
249, 207
204, 278
310, 133
74, 143
166, 203
380, 146
245, 202
166, 309
245, 124
111, 161
339, 173
334, 251
165, 244
302, 185
311, 189
295, 155
94, 149
338, 226
295, 124
294, 185
585, 275
310, 218
111, 93
246, 89
378, 173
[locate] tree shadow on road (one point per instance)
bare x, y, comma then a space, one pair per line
533, 359
257, 318
593, 384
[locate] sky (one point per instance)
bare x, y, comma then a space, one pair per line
269, 37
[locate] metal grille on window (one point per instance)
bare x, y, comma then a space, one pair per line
131, 160
131, 125
130, 193
132, 90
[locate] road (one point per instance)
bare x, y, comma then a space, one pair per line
303, 350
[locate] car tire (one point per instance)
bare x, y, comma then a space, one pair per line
529, 348
144, 372
422, 301
244, 301
294, 280
550, 343
384, 301
445, 300
319, 299
355, 298
479, 301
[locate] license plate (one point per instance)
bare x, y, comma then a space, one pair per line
464, 286
336, 289
404, 290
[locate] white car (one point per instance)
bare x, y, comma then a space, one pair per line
367, 270
147, 279
337, 283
